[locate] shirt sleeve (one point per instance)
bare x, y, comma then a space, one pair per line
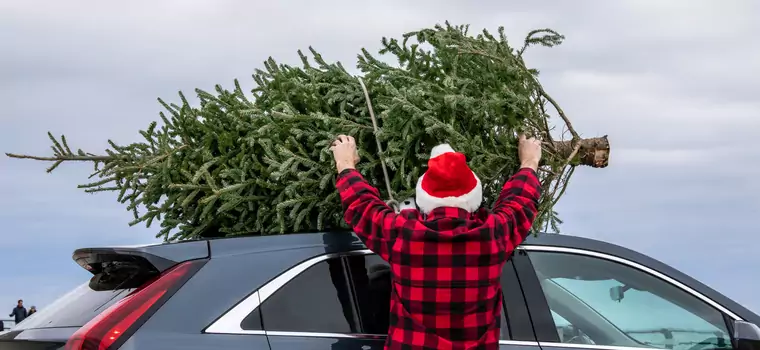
371, 219
516, 208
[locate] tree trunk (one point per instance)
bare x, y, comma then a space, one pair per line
593, 152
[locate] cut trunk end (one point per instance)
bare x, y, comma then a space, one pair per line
593, 152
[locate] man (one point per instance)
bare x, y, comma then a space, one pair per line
19, 312
446, 258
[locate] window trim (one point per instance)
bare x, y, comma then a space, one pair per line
604, 256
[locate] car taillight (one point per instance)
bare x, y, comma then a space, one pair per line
113, 326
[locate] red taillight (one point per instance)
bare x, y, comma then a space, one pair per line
109, 327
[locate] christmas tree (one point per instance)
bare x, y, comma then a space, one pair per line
259, 163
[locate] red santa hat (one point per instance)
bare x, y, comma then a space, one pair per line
448, 182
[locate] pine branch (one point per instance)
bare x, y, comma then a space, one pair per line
561, 113
67, 157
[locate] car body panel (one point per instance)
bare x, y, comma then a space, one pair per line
318, 343
160, 339
330, 241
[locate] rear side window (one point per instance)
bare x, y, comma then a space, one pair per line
340, 295
74, 309
331, 289
371, 281
318, 301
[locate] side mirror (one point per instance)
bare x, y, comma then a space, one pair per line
747, 335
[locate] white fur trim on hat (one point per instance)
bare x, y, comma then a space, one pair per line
440, 149
470, 201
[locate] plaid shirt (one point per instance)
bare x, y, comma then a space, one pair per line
446, 267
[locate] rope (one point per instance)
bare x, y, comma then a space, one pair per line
392, 201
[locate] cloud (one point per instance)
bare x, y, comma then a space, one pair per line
672, 84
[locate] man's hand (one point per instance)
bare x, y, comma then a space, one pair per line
345, 153
529, 151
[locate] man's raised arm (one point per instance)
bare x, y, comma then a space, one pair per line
517, 205
371, 219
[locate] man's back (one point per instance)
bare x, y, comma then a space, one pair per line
446, 277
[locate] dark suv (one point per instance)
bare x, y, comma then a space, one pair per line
327, 291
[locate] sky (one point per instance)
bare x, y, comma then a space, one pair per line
673, 83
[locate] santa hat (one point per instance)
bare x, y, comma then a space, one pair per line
448, 182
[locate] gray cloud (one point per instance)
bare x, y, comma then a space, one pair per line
672, 83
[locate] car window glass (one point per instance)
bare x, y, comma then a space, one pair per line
318, 300
520, 327
568, 333
597, 301
252, 322
74, 309
371, 280
504, 331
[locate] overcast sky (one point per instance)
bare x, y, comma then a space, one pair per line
673, 83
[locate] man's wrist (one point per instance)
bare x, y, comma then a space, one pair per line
529, 165
345, 166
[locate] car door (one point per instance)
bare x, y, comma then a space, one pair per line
590, 300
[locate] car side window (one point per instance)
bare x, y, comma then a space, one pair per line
371, 282
318, 301
602, 302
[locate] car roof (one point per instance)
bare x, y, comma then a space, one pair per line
346, 240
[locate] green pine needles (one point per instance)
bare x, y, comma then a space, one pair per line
257, 163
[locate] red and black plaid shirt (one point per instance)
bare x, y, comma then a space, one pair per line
446, 267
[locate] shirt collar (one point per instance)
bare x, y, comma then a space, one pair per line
448, 212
